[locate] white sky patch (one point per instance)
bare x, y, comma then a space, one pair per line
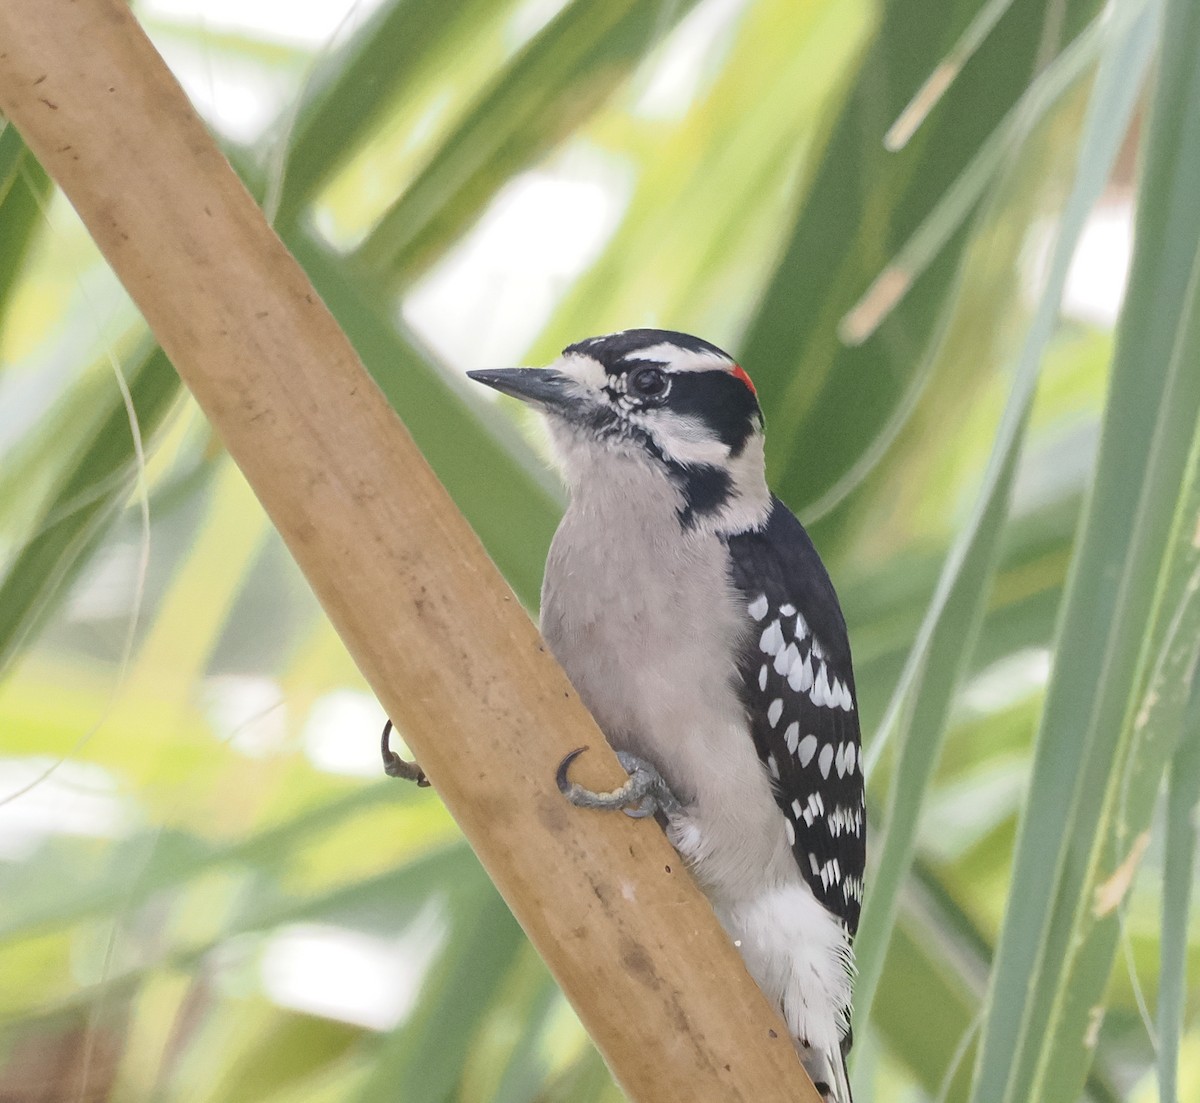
105, 591
490, 296
236, 97
1007, 681
688, 58
78, 798
303, 24
1099, 270
240, 96
348, 975
530, 17
964, 811
1054, 466
247, 712
341, 734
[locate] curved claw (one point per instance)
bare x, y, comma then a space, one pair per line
643, 794
565, 784
395, 766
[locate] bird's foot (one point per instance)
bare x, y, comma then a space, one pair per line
644, 794
395, 766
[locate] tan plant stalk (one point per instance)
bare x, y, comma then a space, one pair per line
428, 619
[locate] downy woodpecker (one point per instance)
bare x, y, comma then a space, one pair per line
693, 615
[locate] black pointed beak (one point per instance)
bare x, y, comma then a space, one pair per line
543, 387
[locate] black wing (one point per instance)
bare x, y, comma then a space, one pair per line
798, 686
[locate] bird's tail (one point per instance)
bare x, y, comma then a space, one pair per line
827, 1070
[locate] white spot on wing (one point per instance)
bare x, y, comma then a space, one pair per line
796, 808
831, 873
773, 766
762, 677
771, 641
775, 711
825, 759
844, 821
806, 749
792, 736
787, 609
820, 687
801, 627
785, 658
758, 607
800, 677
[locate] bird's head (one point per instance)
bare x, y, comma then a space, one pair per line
667, 404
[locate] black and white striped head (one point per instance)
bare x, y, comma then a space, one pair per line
671, 402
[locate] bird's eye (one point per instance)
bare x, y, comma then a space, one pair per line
647, 382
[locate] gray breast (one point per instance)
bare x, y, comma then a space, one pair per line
644, 619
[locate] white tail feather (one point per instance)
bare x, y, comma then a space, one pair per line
826, 1068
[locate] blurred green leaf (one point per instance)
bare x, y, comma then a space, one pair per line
1147, 740
12, 156
427, 1053
553, 84
508, 1062
921, 706
24, 186
845, 234
1033, 1041
97, 483
351, 90
785, 59
289, 1050
936, 952
1183, 802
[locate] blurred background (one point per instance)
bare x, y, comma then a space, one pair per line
913, 222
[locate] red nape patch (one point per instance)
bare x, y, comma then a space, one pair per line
740, 373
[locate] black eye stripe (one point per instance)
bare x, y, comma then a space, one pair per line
719, 400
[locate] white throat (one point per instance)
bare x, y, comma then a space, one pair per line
615, 473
